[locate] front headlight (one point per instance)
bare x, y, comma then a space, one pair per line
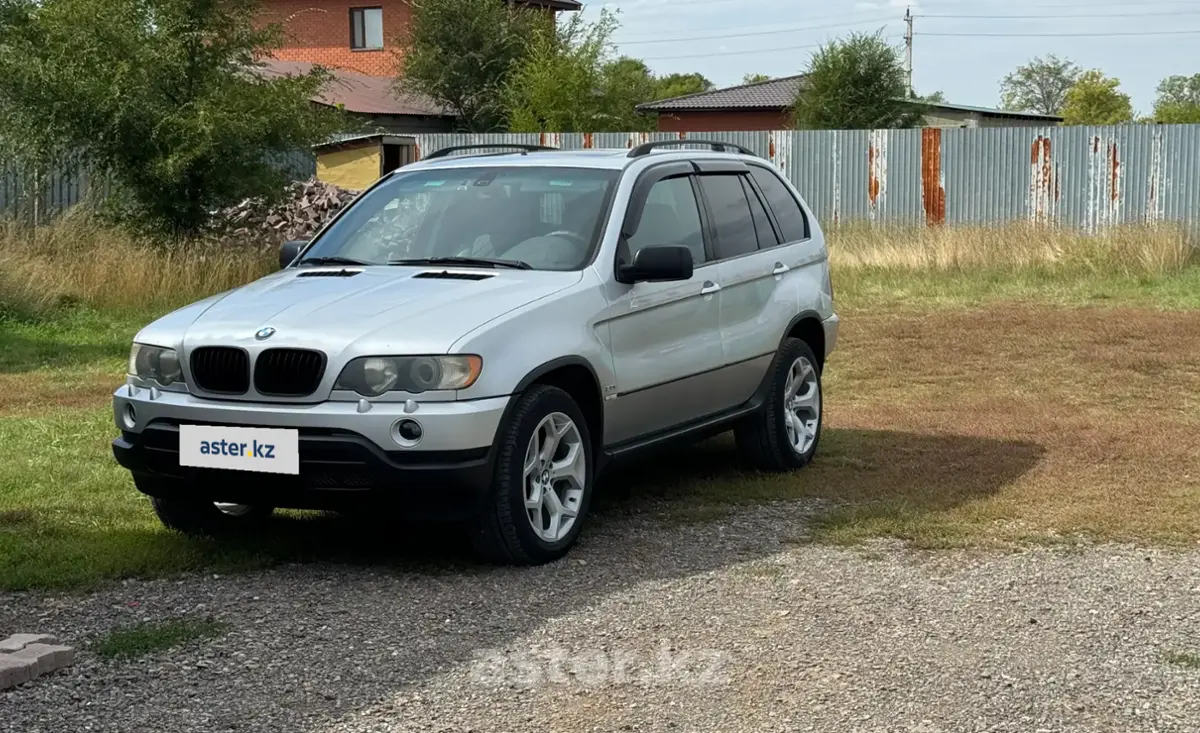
373, 375
155, 362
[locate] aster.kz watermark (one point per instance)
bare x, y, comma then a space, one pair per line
592, 668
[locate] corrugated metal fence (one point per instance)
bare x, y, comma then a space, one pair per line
1088, 177
40, 195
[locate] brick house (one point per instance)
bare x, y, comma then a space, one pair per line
766, 105
354, 35
355, 40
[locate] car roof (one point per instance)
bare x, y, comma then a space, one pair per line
599, 158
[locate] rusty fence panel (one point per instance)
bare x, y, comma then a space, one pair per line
1087, 177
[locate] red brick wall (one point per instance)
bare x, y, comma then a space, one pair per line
723, 121
318, 31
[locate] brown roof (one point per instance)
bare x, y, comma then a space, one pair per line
568, 5
372, 95
771, 94
780, 94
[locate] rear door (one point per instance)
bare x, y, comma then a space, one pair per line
756, 262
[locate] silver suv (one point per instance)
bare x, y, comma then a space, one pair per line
479, 334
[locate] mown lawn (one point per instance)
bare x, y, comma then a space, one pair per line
974, 409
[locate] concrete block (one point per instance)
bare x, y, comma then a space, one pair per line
14, 671
46, 657
17, 642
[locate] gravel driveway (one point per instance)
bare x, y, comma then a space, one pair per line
648, 627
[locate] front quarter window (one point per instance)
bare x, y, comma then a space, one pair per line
546, 218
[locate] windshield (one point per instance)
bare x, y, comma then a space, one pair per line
542, 218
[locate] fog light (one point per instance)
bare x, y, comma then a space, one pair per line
407, 432
129, 416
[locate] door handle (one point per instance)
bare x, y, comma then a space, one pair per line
780, 268
709, 287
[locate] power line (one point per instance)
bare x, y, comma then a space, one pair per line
839, 16
777, 31
1120, 3
1087, 16
742, 53
1089, 6
1066, 35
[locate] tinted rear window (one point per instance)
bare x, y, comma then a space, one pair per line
730, 215
787, 210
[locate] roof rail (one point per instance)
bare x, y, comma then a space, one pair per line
720, 147
523, 149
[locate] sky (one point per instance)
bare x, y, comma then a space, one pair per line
725, 39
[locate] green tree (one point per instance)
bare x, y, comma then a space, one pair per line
853, 84
1178, 100
462, 53
570, 83
678, 85
628, 82
755, 78
1039, 86
165, 95
1095, 99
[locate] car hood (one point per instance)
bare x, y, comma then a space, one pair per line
376, 310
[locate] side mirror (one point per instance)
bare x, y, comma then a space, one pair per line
289, 251
660, 263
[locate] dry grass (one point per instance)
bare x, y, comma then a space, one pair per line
78, 261
994, 425
1130, 250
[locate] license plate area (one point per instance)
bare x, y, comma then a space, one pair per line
258, 450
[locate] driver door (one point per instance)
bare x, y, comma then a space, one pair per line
665, 336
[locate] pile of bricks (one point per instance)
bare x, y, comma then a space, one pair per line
26, 656
303, 209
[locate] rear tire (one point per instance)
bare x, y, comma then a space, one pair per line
784, 434
542, 485
206, 519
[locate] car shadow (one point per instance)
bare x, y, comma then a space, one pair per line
865, 479
390, 605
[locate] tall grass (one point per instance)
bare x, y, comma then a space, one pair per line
77, 260
1136, 251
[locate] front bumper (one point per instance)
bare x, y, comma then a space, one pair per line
347, 458
447, 426
338, 470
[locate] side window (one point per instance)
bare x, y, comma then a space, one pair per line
762, 223
792, 222
671, 216
730, 215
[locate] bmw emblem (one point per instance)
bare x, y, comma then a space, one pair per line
264, 333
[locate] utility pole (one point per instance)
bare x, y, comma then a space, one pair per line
908, 38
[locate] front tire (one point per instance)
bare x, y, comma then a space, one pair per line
542, 484
784, 434
207, 519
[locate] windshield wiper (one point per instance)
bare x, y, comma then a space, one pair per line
465, 262
333, 261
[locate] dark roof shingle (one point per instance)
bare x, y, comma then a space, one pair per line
359, 93
779, 94
770, 94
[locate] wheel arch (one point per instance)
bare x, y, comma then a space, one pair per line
575, 376
808, 327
